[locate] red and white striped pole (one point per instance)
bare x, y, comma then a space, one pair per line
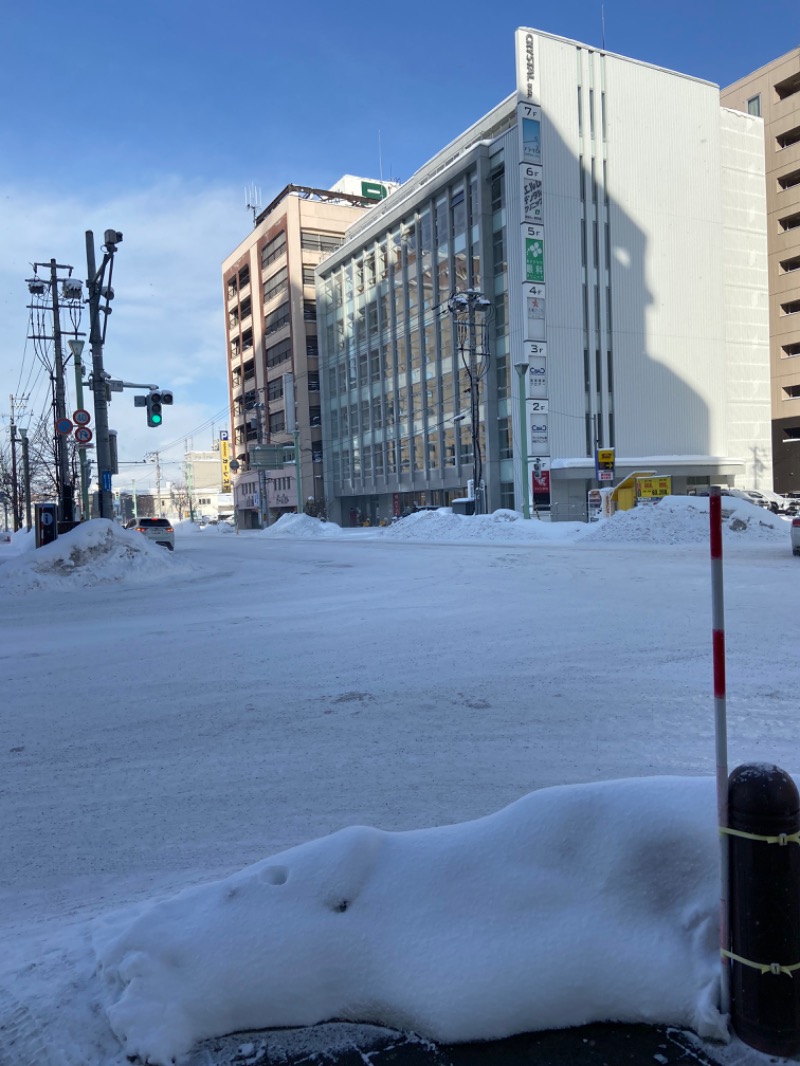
720, 729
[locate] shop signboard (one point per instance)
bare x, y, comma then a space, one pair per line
650, 489
604, 465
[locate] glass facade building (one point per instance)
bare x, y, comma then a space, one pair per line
396, 374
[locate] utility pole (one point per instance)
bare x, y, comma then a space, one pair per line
97, 292
76, 347
156, 458
463, 306
188, 470
26, 477
40, 290
293, 428
14, 485
65, 487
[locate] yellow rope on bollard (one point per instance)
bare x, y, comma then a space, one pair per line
782, 838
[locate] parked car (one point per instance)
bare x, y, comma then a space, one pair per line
771, 500
796, 536
155, 529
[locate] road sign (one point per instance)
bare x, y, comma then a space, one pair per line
234, 465
106, 480
64, 426
81, 417
83, 434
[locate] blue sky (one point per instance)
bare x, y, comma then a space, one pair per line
152, 118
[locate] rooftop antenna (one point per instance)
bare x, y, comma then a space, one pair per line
252, 196
603, 24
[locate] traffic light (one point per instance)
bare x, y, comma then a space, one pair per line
154, 402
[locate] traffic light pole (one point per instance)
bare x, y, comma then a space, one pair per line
105, 497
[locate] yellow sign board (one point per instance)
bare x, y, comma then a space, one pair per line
225, 458
652, 488
605, 456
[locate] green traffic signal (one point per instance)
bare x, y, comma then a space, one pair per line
154, 416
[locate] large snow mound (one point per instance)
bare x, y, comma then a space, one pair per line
575, 904
502, 525
301, 525
684, 520
98, 552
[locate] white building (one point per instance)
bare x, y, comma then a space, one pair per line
614, 215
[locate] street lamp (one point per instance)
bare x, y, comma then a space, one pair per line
522, 371
472, 310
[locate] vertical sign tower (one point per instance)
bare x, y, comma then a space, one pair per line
531, 249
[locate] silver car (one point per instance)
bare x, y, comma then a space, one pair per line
156, 529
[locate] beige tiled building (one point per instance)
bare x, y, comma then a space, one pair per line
773, 92
271, 333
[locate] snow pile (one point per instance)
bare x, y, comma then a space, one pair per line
502, 525
684, 520
575, 904
188, 528
301, 525
98, 552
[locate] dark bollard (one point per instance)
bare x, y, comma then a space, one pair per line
764, 809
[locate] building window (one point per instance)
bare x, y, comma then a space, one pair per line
277, 318
308, 275
277, 422
277, 283
279, 353
754, 106
273, 249
244, 277
504, 438
791, 433
788, 181
791, 308
791, 392
787, 139
789, 265
320, 242
788, 87
275, 389
309, 310
314, 416
789, 222
790, 351
313, 382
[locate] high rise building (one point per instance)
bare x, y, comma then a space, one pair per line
581, 271
271, 334
773, 93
